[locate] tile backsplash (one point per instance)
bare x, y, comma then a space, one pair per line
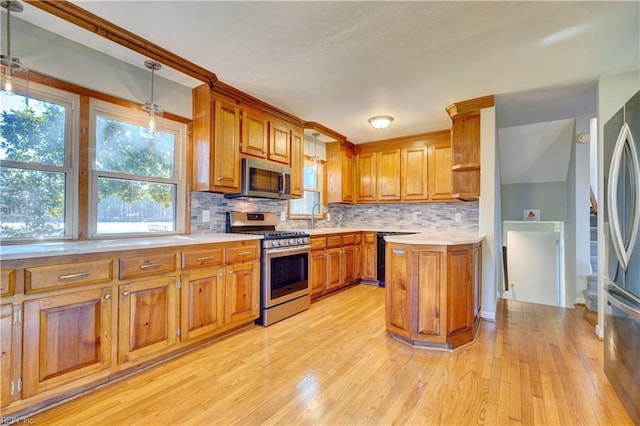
435, 217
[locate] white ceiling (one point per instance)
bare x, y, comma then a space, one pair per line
339, 63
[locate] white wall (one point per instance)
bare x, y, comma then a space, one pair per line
489, 212
580, 213
542, 195
613, 92
55, 56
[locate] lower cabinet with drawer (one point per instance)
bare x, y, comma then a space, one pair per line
69, 326
336, 261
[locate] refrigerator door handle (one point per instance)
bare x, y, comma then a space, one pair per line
621, 304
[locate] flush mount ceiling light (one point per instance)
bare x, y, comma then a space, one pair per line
380, 121
155, 112
11, 66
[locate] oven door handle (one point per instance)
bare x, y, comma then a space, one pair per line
621, 302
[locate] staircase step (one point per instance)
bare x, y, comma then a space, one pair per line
593, 233
594, 264
591, 300
593, 220
592, 283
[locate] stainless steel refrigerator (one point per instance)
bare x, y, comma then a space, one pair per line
622, 254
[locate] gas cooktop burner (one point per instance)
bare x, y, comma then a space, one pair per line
277, 235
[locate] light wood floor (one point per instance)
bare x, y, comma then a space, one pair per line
334, 364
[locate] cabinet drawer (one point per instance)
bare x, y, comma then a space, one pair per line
348, 239
242, 253
7, 282
370, 238
199, 258
334, 241
358, 238
142, 266
318, 243
42, 278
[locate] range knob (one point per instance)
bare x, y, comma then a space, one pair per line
292, 242
275, 243
300, 240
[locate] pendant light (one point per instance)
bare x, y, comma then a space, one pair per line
155, 112
315, 154
12, 68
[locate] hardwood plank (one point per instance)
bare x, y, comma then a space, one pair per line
335, 364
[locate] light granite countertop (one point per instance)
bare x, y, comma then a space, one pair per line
417, 236
64, 248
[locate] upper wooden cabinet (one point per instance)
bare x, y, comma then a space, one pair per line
297, 161
465, 146
255, 133
366, 178
340, 188
279, 142
439, 172
388, 175
216, 142
415, 173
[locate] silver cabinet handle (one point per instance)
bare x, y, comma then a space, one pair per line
220, 274
150, 265
125, 293
399, 251
73, 276
107, 296
203, 258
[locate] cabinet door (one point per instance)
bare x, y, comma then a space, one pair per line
465, 154
477, 282
388, 175
147, 318
297, 162
459, 289
318, 271
347, 177
255, 133
66, 338
202, 302
369, 257
365, 177
347, 265
226, 150
430, 264
334, 258
7, 386
242, 286
398, 289
279, 145
414, 172
440, 172
357, 262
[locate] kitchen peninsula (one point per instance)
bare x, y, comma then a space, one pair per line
433, 289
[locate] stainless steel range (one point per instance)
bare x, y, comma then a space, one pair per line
284, 274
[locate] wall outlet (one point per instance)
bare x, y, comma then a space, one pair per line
414, 216
457, 217
283, 216
329, 216
206, 216
340, 216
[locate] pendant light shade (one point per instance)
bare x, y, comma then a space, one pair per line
380, 121
152, 130
14, 74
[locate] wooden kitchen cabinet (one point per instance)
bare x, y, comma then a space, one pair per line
334, 268
366, 177
440, 174
279, 142
319, 265
8, 380
66, 338
347, 265
255, 133
242, 295
7, 282
147, 318
433, 293
415, 173
340, 173
216, 142
465, 146
369, 257
202, 302
388, 175
357, 257
297, 161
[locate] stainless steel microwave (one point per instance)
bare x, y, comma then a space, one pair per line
264, 180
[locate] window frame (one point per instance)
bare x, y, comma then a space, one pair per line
139, 118
321, 190
71, 102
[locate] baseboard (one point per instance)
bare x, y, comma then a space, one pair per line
491, 316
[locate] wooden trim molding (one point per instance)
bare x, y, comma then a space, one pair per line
470, 106
317, 127
69, 12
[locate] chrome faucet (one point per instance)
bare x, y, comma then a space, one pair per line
313, 209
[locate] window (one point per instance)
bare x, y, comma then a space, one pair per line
37, 174
312, 193
138, 182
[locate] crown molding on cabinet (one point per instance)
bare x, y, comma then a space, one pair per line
470, 106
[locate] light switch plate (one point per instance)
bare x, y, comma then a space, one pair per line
205, 216
283, 215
